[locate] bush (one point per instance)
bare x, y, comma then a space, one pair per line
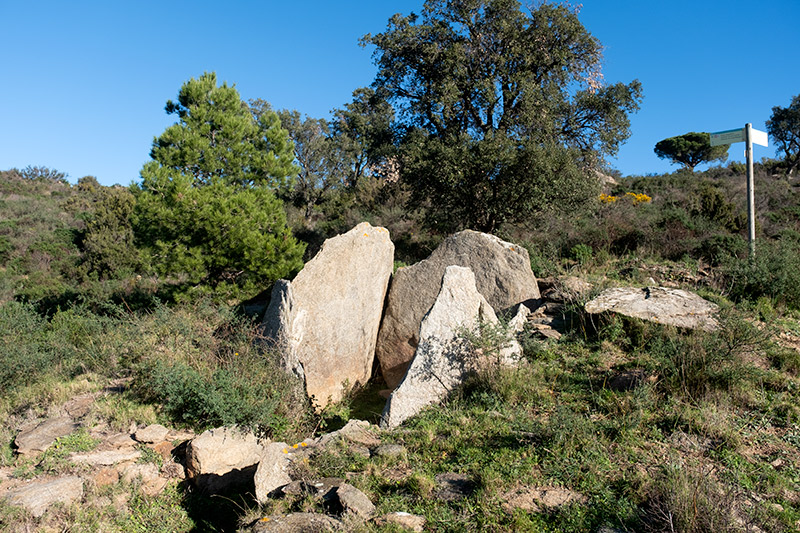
773, 272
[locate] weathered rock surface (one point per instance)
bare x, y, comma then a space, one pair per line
37, 496
272, 472
503, 276
674, 307
296, 523
537, 499
407, 521
451, 486
325, 322
151, 433
105, 457
354, 501
221, 458
39, 438
441, 361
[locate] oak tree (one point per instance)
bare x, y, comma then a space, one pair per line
503, 110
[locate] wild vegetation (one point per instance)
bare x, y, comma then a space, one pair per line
160, 285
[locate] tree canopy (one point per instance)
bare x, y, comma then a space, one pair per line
784, 128
206, 212
690, 150
504, 110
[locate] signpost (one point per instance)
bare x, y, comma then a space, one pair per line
748, 135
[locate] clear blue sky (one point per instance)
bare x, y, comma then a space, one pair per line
83, 84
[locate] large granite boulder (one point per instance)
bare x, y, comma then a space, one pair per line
674, 307
442, 359
502, 273
325, 322
223, 459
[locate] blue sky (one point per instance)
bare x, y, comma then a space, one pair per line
84, 83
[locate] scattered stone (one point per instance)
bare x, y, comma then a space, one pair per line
222, 458
272, 472
106, 476
143, 471
37, 496
360, 450
79, 406
533, 499
564, 289
452, 487
120, 440
442, 359
325, 322
390, 451
674, 307
180, 435
105, 458
296, 523
354, 501
173, 470
630, 379
359, 431
503, 276
40, 437
164, 449
152, 433
408, 521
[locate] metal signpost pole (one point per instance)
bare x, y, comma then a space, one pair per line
751, 206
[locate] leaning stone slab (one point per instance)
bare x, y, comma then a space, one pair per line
325, 322
674, 307
272, 472
502, 273
40, 437
37, 496
441, 361
222, 458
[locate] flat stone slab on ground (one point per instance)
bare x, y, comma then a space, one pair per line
37, 496
105, 458
40, 437
296, 523
451, 487
405, 520
674, 307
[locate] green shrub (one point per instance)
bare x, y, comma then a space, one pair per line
773, 272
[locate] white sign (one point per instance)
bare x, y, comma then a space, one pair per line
738, 136
758, 137
727, 137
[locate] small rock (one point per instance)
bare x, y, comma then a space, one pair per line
39, 438
79, 406
408, 521
354, 431
143, 471
120, 440
354, 501
173, 470
164, 449
360, 450
37, 496
106, 476
534, 498
152, 433
453, 487
390, 451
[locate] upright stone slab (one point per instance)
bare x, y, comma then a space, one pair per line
502, 273
325, 322
441, 363
223, 458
